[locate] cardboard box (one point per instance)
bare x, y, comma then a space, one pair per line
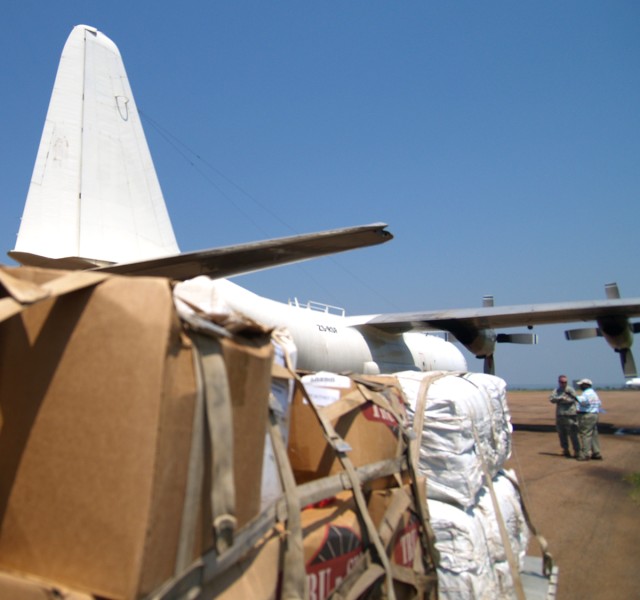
332, 543
404, 543
257, 575
22, 588
372, 431
401, 533
97, 395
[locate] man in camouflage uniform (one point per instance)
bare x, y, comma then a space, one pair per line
564, 397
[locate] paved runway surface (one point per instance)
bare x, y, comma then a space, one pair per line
585, 510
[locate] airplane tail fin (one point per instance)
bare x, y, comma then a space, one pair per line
94, 196
95, 201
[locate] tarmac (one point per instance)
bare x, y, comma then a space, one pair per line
588, 512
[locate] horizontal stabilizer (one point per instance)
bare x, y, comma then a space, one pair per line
517, 338
582, 333
254, 256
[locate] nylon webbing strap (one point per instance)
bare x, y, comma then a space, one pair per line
427, 536
377, 399
432, 555
219, 420
547, 558
399, 504
513, 566
344, 405
200, 578
294, 579
339, 445
421, 405
359, 580
195, 474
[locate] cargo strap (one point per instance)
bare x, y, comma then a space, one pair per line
427, 536
353, 400
399, 506
341, 447
382, 401
213, 388
483, 392
25, 293
547, 559
294, 579
198, 581
360, 579
195, 476
413, 451
513, 565
421, 405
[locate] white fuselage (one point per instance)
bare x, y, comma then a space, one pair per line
327, 341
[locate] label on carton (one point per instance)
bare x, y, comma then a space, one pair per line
333, 561
373, 412
404, 550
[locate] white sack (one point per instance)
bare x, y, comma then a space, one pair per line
473, 562
515, 524
465, 571
456, 405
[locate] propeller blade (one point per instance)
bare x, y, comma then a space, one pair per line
489, 365
628, 363
517, 338
487, 301
583, 333
612, 291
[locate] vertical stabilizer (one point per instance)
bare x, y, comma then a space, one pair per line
94, 192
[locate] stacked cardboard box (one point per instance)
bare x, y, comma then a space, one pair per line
369, 422
98, 395
368, 416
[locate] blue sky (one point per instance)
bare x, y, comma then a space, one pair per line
500, 141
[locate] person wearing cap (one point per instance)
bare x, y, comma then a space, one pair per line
589, 406
564, 397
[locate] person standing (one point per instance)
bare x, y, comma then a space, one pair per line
564, 397
589, 407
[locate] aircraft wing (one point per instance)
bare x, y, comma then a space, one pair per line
254, 256
525, 315
475, 327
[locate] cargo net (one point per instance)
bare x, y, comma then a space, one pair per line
207, 466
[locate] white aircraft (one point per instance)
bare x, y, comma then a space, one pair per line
633, 383
95, 203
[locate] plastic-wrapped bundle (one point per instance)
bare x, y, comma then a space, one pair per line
465, 569
496, 389
515, 524
458, 409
